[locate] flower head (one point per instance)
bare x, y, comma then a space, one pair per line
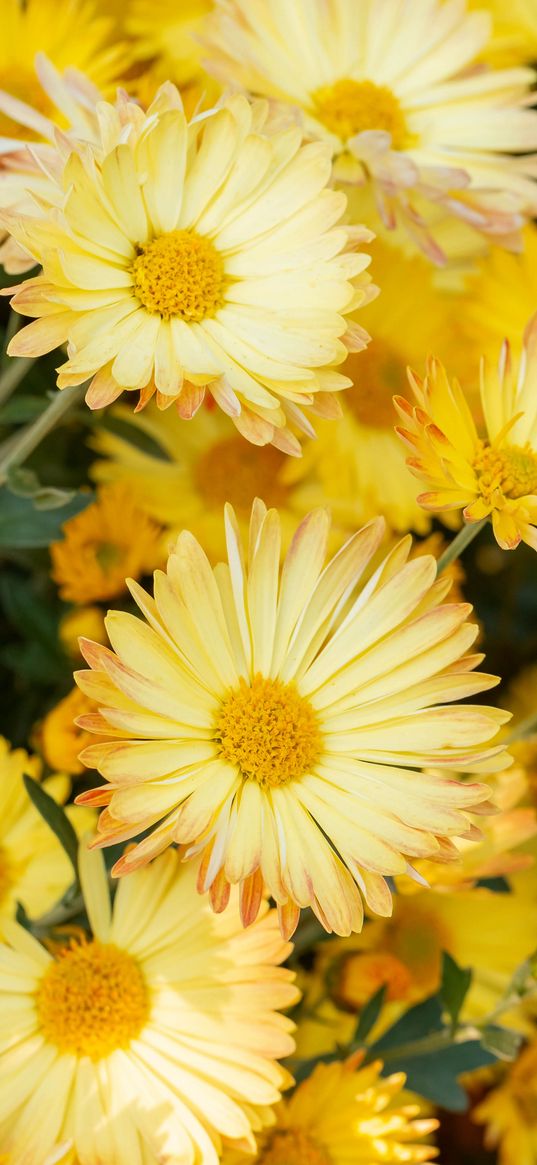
427, 126
514, 38
173, 1007
275, 723
194, 257
343, 1113
167, 31
493, 475
509, 1111
60, 738
113, 537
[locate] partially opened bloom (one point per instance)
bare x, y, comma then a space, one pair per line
345, 1113
197, 257
488, 474
154, 1039
397, 90
277, 724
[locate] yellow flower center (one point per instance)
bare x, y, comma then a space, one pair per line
179, 275
512, 470
378, 374
7, 876
362, 974
229, 472
293, 1147
23, 84
269, 732
92, 1000
350, 107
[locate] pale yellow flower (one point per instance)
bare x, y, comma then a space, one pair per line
155, 1039
514, 38
274, 723
168, 32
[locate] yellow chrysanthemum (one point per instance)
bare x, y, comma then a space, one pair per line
357, 465
275, 724
34, 869
168, 31
510, 1112
514, 38
113, 537
393, 86
60, 739
500, 297
490, 476
86, 621
155, 1039
197, 257
492, 933
343, 1113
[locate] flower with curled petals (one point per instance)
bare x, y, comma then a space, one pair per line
277, 723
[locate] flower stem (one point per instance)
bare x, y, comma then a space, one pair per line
14, 373
466, 534
18, 448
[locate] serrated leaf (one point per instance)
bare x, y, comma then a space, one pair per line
502, 1042
454, 986
24, 527
56, 819
369, 1015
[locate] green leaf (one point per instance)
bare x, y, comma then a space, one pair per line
24, 526
24, 407
454, 987
22, 918
369, 1015
56, 818
434, 1074
502, 1042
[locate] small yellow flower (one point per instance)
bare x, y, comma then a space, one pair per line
499, 299
109, 540
157, 1036
34, 869
509, 1112
490, 475
342, 1113
166, 31
81, 621
60, 739
278, 734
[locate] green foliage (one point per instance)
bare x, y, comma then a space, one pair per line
56, 818
454, 987
24, 524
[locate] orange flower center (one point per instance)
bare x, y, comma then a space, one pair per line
361, 975
378, 374
269, 732
349, 107
92, 1000
512, 471
293, 1147
234, 471
179, 275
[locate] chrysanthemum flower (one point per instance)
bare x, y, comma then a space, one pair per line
509, 1111
156, 1039
60, 738
499, 298
34, 869
197, 257
168, 32
113, 537
395, 90
514, 38
494, 475
87, 621
275, 724
342, 1113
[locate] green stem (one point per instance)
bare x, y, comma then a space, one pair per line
58, 916
17, 449
14, 373
466, 534
436, 1042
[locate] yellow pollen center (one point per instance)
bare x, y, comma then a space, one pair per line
108, 554
361, 975
293, 1147
229, 472
92, 1000
349, 107
512, 471
268, 731
179, 275
378, 374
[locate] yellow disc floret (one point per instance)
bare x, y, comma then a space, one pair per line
179, 275
349, 107
230, 471
512, 470
293, 1147
92, 1000
268, 731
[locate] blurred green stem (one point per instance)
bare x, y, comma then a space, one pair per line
14, 373
466, 534
18, 448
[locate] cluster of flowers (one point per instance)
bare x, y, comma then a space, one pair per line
254, 216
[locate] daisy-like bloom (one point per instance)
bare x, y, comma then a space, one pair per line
60, 738
154, 1040
509, 1112
197, 257
357, 465
425, 125
275, 724
514, 38
34, 869
168, 32
342, 1113
493, 475
499, 299
113, 537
